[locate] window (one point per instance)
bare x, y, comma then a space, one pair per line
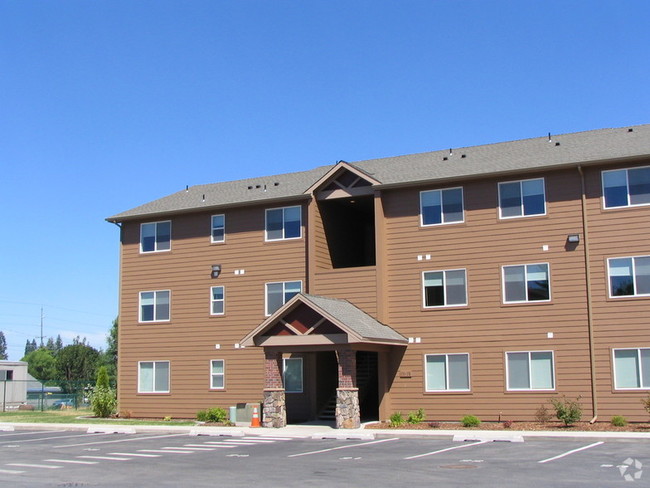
154, 306
217, 300
530, 370
626, 187
444, 288
218, 228
217, 374
441, 206
292, 375
155, 236
522, 198
526, 283
283, 223
447, 372
631, 369
277, 294
6, 375
629, 276
153, 377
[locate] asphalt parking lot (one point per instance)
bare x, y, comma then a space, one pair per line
32, 458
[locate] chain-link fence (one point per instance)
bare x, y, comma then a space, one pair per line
46, 395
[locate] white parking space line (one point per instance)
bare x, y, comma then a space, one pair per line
24, 465
10, 471
56, 437
219, 445
559, 456
343, 447
160, 451
445, 450
105, 458
31, 432
133, 454
266, 437
187, 448
132, 439
246, 443
69, 461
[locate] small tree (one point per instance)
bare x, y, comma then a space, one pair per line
41, 364
3, 346
102, 398
646, 403
568, 411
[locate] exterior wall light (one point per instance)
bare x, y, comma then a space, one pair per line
573, 238
216, 270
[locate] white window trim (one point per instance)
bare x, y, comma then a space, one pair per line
446, 355
522, 216
156, 242
627, 185
266, 293
302, 374
169, 379
266, 234
222, 241
444, 274
503, 283
212, 375
609, 278
529, 370
140, 321
638, 350
222, 300
462, 201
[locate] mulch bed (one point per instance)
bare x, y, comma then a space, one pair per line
528, 426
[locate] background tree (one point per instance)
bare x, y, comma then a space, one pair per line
41, 364
77, 362
30, 346
109, 357
3, 346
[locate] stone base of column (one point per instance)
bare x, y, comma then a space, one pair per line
274, 408
348, 415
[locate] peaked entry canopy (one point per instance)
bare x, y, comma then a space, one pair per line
310, 320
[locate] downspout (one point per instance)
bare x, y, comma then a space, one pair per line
590, 325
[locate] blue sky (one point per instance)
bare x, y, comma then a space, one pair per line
105, 105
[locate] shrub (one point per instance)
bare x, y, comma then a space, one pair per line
102, 398
168, 418
415, 417
568, 411
542, 415
646, 403
619, 421
470, 421
434, 425
507, 424
215, 414
397, 419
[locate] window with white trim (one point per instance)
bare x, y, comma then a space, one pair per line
632, 369
292, 375
277, 294
283, 223
217, 300
445, 288
526, 283
626, 187
530, 370
447, 372
154, 306
218, 233
155, 236
441, 206
629, 276
153, 377
522, 198
217, 374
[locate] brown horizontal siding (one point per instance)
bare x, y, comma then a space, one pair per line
357, 285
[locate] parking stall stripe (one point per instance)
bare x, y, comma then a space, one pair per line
10, 471
55, 437
118, 440
343, 447
219, 445
105, 458
24, 465
445, 450
160, 451
559, 456
70, 461
265, 437
133, 454
32, 432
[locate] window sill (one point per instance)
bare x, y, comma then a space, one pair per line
520, 304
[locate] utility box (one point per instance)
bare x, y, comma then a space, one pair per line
245, 411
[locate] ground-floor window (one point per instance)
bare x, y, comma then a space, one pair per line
447, 372
631, 369
153, 377
292, 374
531, 370
217, 374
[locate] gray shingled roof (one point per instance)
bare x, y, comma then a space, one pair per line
517, 156
355, 319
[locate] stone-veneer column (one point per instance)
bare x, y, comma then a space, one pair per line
274, 408
348, 414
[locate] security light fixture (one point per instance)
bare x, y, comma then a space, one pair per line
573, 238
216, 270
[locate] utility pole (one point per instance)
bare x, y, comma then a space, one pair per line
42, 326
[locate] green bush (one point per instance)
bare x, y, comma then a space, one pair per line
646, 403
568, 411
619, 421
103, 400
542, 415
470, 421
215, 414
416, 417
397, 419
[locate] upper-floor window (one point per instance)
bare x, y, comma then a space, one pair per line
444, 288
217, 300
441, 206
153, 377
292, 375
522, 198
530, 370
626, 187
218, 228
629, 276
283, 223
154, 306
631, 369
447, 372
217, 374
277, 294
526, 283
155, 236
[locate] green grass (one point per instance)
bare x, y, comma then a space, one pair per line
72, 417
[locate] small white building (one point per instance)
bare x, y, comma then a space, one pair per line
13, 384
